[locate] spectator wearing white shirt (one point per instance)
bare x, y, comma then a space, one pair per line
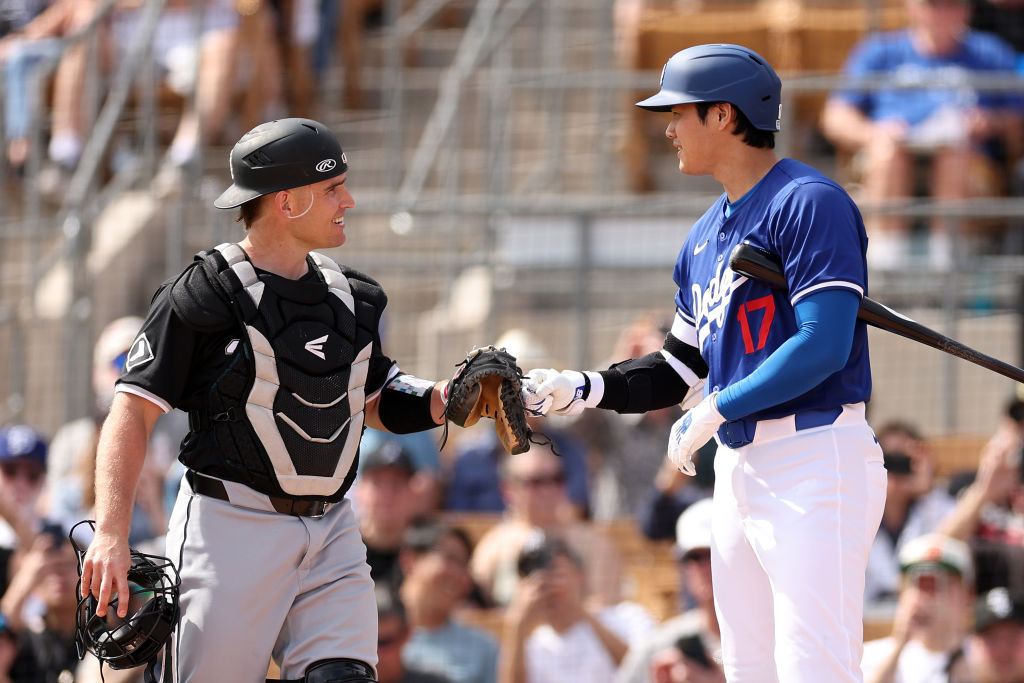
550, 635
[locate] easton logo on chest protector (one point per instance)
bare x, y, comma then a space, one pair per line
307, 397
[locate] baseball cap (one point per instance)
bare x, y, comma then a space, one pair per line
937, 550
22, 441
998, 604
388, 453
693, 528
279, 155
115, 340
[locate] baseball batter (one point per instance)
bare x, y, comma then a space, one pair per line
275, 353
781, 379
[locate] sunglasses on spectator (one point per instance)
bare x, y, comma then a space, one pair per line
388, 641
698, 555
929, 579
541, 480
13, 470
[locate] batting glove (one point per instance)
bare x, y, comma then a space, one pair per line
535, 403
692, 431
570, 391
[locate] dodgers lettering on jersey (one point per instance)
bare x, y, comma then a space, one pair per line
811, 224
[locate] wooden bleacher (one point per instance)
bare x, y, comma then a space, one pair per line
956, 453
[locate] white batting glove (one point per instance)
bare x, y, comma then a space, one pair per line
692, 431
565, 389
535, 403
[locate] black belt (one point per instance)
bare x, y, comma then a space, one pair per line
214, 488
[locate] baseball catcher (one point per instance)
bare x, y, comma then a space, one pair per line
275, 352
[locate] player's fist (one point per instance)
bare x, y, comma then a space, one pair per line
692, 431
535, 403
562, 391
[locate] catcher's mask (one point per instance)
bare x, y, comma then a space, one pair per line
152, 611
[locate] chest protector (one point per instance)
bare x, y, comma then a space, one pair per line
298, 385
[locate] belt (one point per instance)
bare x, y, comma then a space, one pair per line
739, 433
214, 488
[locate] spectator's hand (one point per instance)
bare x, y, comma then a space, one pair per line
999, 467
528, 604
105, 572
672, 666
911, 618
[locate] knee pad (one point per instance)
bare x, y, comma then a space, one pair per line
339, 671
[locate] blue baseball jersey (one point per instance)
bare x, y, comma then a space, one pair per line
814, 228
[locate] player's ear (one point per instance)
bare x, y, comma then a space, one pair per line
282, 201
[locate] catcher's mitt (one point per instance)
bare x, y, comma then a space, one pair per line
487, 384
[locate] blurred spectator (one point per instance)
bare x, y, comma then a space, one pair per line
435, 564
392, 635
687, 647
989, 513
22, 472
298, 25
69, 494
426, 461
914, 506
178, 42
929, 628
8, 649
383, 502
673, 492
533, 486
474, 482
47, 573
1005, 18
35, 40
995, 649
626, 451
549, 634
965, 136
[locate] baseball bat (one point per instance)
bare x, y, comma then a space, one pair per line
754, 263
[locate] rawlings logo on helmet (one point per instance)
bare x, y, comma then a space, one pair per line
326, 165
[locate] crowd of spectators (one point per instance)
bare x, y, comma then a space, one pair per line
542, 589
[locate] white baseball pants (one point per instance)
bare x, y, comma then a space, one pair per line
795, 513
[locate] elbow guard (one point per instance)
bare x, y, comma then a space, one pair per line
657, 380
404, 405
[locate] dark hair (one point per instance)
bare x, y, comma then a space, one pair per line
755, 137
389, 604
540, 549
248, 211
424, 536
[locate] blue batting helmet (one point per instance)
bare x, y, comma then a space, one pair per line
721, 72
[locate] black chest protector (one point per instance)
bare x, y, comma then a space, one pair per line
287, 413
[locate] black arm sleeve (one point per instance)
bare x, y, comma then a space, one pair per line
650, 382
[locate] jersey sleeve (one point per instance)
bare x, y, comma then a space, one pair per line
818, 233
157, 366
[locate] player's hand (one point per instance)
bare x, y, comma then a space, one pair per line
564, 389
537, 404
692, 431
105, 572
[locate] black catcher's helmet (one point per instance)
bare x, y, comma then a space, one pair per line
152, 611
